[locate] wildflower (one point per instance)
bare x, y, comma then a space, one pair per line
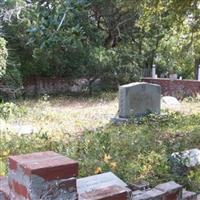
88, 141
98, 170
107, 158
113, 165
2, 173
5, 153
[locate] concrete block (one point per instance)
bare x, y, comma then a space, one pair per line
104, 186
113, 192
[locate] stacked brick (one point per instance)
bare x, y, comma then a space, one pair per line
51, 176
165, 191
176, 88
45, 175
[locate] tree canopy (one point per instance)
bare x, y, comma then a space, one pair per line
108, 39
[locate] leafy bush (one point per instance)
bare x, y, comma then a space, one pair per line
12, 78
133, 151
9, 109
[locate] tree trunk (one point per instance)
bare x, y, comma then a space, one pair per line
90, 86
197, 63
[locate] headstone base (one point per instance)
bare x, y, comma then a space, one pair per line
120, 120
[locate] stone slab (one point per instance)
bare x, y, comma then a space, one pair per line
113, 192
137, 99
20, 129
104, 186
119, 120
99, 181
169, 102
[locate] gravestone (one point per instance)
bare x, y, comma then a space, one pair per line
170, 101
140, 98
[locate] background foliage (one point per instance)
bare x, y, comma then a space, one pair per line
3, 56
111, 40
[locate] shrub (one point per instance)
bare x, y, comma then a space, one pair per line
132, 151
9, 109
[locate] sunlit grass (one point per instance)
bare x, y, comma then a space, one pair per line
80, 128
73, 115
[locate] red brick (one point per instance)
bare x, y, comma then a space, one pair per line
19, 189
177, 88
152, 194
48, 165
4, 188
13, 165
172, 190
107, 193
172, 196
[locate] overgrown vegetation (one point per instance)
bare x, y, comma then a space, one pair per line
110, 40
133, 151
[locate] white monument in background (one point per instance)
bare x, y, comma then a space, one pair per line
154, 75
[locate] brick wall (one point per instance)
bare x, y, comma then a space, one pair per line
176, 88
54, 85
51, 176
